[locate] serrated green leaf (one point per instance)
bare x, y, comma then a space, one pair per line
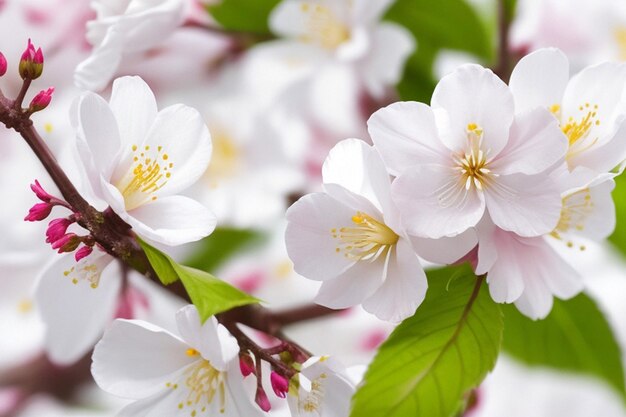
217, 248
575, 337
244, 15
435, 357
209, 294
436, 25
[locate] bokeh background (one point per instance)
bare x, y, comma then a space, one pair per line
274, 111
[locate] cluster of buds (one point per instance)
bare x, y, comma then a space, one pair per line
57, 235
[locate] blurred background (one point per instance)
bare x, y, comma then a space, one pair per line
276, 101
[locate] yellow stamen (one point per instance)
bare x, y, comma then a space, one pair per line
575, 210
367, 241
323, 27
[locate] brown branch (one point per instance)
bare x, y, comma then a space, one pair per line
503, 65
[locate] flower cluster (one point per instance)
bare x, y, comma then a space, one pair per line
491, 173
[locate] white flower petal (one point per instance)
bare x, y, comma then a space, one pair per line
391, 45
309, 240
358, 167
291, 18
136, 359
368, 11
433, 202
474, 95
405, 134
535, 144
506, 275
529, 205
75, 312
95, 72
539, 79
354, 285
606, 156
186, 146
445, 250
404, 288
98, 130
134, 107
211, 339
172, 220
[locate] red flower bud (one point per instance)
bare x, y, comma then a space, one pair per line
40, 192
280, 385
31, 63
57, 229
246, 364
83, 252
262, 400
3, 65
38, 212
41, 100
67, 243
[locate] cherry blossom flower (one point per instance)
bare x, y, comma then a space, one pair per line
590, 106
351, 238
196, 373
323, 389
138, 159
469, 154
124, 27
347, 32
588, 32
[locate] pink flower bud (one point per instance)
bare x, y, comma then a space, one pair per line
57, 229
41, 100
262, 400
280, 385
38, 212
40, 192
31, 63
83, 252
246, 364
3, 65
67, 243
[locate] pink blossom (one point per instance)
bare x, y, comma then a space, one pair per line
41, 100
38, 212
280, 385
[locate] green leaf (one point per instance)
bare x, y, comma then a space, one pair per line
436, 25
221, 245
618, 238
435, 357
244, 15
209, 294
575, 337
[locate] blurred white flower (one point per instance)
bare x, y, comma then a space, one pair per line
589, 32
351, 238
124, 27
194, 374
138, 160
469, 155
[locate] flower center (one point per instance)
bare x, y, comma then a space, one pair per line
85, 271
367, 240
620, 38
204, 383
473, 164
149, 172
312, 401
577, 130
323, 27
225, 161
575, 210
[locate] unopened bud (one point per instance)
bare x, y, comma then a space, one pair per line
83, 252
262, 400
246, 364
67, 243
41, 100
40, 192
38, 212
57, 229
31, 63
3, 64
280, 385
